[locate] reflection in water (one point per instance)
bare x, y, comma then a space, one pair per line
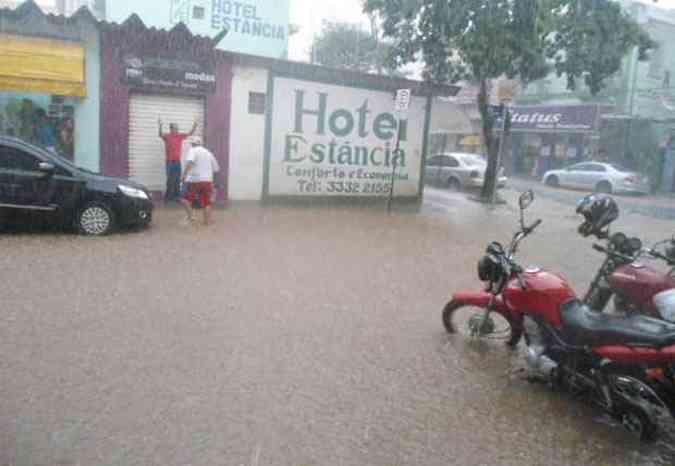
496, 369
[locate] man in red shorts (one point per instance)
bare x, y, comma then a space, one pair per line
200, 166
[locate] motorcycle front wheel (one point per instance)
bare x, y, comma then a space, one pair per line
472, 322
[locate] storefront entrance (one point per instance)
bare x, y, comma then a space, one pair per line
146, 149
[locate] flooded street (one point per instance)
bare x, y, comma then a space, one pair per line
287, 336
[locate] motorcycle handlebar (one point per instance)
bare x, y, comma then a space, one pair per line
615, 255
658, 255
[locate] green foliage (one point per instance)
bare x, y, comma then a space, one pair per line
590, 39
480, 40
343, 45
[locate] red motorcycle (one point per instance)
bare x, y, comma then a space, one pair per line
637, 288
601, 357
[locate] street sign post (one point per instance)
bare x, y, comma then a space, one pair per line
503, 115
401, 105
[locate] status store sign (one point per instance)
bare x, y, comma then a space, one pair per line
329, 140
161, 74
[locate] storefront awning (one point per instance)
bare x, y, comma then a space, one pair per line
472, 140
555, 118
42, 66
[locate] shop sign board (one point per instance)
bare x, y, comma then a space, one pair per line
175, 76
570, 118
333, 140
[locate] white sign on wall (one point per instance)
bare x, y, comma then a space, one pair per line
331, 140
402, 100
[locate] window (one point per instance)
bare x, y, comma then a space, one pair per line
594, 167
14, 159
198, 12
472, 160
450, 162
257, 103
581, 167
434, 161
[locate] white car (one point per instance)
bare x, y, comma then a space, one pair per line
598, 177
456, 170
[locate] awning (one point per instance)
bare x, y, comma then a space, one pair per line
472, 140
556, 118
42, 66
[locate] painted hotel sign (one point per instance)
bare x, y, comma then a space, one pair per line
330, 140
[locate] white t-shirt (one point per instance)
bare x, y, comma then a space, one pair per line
205, 165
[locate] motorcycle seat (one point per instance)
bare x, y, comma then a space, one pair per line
584, 327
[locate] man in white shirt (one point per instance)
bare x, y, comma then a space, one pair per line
200, 166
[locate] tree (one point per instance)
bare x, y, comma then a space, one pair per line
344, 45
482, 40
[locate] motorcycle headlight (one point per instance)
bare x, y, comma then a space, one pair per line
133, 192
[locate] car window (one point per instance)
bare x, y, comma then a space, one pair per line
596, 167
15, 159
619, 167
449, 161
580, 167
472, 160
434, 161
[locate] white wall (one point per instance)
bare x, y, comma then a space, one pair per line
247, 136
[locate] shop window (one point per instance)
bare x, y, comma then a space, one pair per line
198, 12
257, 103
48, 121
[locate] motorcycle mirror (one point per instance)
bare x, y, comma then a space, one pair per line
618, 239
526, 199
634, 245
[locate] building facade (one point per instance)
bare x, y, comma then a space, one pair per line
49, 81
151, 75
256, 27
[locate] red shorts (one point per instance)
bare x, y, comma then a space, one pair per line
202, 190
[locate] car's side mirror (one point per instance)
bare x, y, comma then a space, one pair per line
526, 199
47, 168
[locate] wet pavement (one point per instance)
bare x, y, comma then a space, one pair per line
285, 336
658, 206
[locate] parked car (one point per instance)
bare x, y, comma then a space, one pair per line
37, 182
599, 177
457, 170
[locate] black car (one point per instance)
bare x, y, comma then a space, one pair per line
36, 182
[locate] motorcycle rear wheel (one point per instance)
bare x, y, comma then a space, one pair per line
468, 320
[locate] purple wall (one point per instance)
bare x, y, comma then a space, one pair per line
114, 117
133, 37
217, 119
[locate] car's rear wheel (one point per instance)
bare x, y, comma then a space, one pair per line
95, 219
453, 184
604, 187
552, 181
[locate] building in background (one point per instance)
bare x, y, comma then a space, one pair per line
69, 7
256, 27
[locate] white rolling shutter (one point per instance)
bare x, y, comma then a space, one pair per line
147, 160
